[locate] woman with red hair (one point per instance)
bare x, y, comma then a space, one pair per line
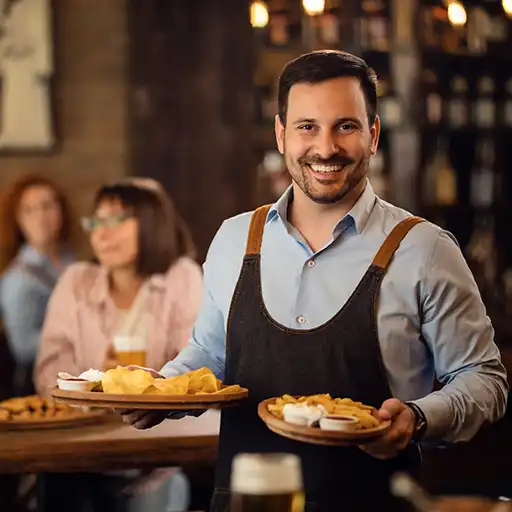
36, 230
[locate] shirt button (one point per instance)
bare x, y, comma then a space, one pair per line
301, 319
311, 263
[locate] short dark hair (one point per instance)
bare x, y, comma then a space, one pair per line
163, 234
318, 66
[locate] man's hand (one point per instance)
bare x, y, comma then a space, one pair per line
142, 419
146, 419
403, 422
152, 372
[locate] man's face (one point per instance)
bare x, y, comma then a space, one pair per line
327, 142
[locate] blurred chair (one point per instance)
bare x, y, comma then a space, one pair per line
7, 366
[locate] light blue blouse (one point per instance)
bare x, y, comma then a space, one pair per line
25, 289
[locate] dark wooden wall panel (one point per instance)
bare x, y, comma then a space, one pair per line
191, 105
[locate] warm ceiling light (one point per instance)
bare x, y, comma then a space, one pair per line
259, 14
457, 14
507, 7
313, 7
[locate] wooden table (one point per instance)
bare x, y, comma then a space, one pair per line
111, 445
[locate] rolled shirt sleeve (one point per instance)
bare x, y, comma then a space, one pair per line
207, 346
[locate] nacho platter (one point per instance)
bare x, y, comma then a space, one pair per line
148, 402
125, 388
37, 413
314, 434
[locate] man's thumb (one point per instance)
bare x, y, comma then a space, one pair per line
390, 408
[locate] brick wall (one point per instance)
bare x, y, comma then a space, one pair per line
90, 100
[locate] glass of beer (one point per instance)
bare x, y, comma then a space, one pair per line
270, 482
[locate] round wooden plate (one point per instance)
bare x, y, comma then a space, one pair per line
316, 435
165, 402
77, 419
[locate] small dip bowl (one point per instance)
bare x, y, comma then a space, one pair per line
301, 414
339, 422
77, 384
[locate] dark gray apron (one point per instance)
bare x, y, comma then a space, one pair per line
341, 357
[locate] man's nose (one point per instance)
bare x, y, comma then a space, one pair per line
327, 145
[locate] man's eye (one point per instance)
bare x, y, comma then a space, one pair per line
346, 126
306, 127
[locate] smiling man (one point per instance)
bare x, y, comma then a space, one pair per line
332, 290
326, 155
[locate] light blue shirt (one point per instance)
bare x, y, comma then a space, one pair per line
431, 319
23, 299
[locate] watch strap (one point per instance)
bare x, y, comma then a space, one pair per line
421, 421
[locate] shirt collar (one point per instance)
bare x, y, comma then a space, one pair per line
280, 207
361, 211
358, 216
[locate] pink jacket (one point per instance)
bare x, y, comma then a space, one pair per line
81, 319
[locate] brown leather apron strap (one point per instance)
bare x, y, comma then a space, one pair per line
393, 240
255, 236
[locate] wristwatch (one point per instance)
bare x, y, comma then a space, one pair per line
421, 422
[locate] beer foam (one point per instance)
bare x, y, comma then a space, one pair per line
273, 473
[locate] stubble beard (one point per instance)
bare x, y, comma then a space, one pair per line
303, 179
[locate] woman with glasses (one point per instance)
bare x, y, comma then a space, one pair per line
35, 247
135, 304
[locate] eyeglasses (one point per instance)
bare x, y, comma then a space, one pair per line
89, 224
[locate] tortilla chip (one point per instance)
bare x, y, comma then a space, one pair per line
126, 382
201, 381
171, 386
210, 383
195, 379
235, 388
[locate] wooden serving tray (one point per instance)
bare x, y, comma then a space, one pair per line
77, 419
316, 435
148, 402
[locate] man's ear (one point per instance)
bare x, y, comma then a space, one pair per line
375, 134
279, 129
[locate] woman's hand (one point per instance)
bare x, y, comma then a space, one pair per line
111, 362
